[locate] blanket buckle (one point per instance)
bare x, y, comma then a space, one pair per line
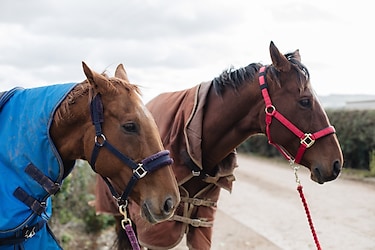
29, 233
196, 173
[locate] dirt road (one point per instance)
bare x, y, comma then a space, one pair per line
265, 212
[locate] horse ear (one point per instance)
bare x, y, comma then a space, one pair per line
279, 61
296, 55
121, 73
99, 83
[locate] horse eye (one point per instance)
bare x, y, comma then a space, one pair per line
306, 103
130, 127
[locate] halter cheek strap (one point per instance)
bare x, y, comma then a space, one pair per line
140, 170
306, 139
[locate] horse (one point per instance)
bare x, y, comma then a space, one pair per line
46, 129
203, 125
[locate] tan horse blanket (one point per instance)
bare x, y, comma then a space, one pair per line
179, 116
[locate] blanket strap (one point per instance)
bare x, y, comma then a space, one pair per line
200, 222
190, 203
48, 185
36, 206
199, 202
195, 222
26, 233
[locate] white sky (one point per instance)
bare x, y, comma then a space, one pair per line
168, 45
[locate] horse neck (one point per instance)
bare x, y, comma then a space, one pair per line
69, 128
229, 120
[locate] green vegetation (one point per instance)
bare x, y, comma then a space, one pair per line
72, 216
372, 163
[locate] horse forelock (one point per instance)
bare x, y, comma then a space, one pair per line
305, 75
302, 72
85, 88
128, 86
114, 82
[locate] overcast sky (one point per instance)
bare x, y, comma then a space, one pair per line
169, 45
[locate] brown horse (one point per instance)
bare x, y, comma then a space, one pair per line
203, 125
102, 120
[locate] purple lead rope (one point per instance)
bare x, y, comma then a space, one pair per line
132, 237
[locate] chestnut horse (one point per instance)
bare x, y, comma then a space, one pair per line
203, 125
102, 120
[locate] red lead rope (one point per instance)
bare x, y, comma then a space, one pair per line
304, 202
315, 236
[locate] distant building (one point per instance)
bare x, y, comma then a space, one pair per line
365, 104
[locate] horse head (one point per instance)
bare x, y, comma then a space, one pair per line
296, 123
120, 140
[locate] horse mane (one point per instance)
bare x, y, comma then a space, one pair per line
85, 88
236, 77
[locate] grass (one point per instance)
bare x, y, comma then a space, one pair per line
357, 174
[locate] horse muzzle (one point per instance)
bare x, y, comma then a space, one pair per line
155, 214
320, 175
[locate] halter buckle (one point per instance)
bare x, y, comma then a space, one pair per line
140, 172
308, 141
195, 222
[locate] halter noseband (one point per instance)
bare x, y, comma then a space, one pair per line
140, 170
306, 139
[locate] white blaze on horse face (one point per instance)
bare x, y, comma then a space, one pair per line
147, 113
144, 110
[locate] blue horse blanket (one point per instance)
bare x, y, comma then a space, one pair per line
31, 169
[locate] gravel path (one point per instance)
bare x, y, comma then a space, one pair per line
265, 200
265, 212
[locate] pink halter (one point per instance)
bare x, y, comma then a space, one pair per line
306, 139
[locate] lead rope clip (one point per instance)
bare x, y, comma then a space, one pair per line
295, 170
126, 224
125, 220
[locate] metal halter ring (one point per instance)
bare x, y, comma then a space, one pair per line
100, 140
270, 110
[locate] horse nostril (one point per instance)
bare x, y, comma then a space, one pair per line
318, 176
168, 206
336, 168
